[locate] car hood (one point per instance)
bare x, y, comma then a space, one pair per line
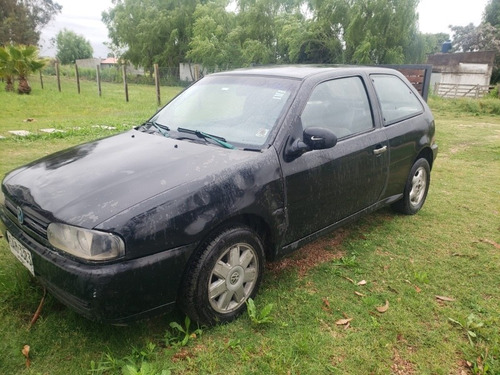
87, 184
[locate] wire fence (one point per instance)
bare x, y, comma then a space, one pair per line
121, 74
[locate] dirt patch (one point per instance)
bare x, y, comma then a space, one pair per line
313, 254
401, 366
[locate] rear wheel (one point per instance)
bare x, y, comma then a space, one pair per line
225, 274
416, 188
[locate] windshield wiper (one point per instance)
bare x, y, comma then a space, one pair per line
219, 140
161, 128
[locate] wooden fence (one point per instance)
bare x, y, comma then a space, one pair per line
451, 90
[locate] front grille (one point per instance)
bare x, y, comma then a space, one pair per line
33, 221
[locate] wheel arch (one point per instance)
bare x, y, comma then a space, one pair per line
254, 222
427, 154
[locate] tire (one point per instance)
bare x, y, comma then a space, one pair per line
416, 188
223, 276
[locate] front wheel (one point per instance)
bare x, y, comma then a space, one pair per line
223, 276
416, 188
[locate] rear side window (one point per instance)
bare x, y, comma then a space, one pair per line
397, 100
340, 105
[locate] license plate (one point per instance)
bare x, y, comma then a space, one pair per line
21, 253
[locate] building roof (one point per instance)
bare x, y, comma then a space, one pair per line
109, 60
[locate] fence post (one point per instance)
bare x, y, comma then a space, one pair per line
41, 79
98, 77
196, 72
125, 86
58, 76
77, 77
157, 85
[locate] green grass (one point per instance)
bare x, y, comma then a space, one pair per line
449, 249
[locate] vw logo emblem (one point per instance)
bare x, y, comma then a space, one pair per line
20, 215
234, 278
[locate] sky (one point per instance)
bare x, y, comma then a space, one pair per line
84, 18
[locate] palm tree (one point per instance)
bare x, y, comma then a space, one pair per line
7, 68
25, 60
21, 61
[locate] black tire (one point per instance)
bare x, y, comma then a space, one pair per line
223, 276
416, 188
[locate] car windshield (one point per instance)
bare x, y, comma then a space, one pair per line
242, 110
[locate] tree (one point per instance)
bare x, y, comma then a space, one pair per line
7, 68
216, 38
492, 13
22, 20
152, 31
71, 46
265, 31
19, 61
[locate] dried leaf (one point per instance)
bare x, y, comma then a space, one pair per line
446, 299
417, 289
491, 242
26, 353
326, 303
362, 282
359, 294
342, 322
383, 309
347, 325
348, 279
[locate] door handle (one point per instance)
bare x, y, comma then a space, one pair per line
379, 151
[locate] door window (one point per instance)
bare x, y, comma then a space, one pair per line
340, 105
397, 100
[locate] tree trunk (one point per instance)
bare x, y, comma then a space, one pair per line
9, 87
24, 86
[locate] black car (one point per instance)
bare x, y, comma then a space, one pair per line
241, 168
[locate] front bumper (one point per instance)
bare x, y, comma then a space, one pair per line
109, 292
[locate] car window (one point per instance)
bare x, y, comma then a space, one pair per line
243, 110
340, 105
396, 99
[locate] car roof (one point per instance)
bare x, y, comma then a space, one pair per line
304, 71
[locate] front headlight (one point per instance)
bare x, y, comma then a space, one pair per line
85, 243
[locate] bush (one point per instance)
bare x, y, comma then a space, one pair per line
484, 106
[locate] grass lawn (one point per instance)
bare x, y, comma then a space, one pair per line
435, 276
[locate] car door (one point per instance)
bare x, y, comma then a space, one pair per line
325, 186
406, 126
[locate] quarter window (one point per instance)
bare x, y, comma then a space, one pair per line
397, 100
340, 105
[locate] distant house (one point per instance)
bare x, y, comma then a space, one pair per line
109, 62
461, 74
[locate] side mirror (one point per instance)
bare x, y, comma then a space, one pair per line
312, 139
319, 138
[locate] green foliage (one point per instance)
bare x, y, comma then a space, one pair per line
346, 262
21, 21
266, 32
71, 46
492, 13
19, 61
180, 336
137, 363
471, 325
259, 317
477, 107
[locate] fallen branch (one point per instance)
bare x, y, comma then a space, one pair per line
38, 310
